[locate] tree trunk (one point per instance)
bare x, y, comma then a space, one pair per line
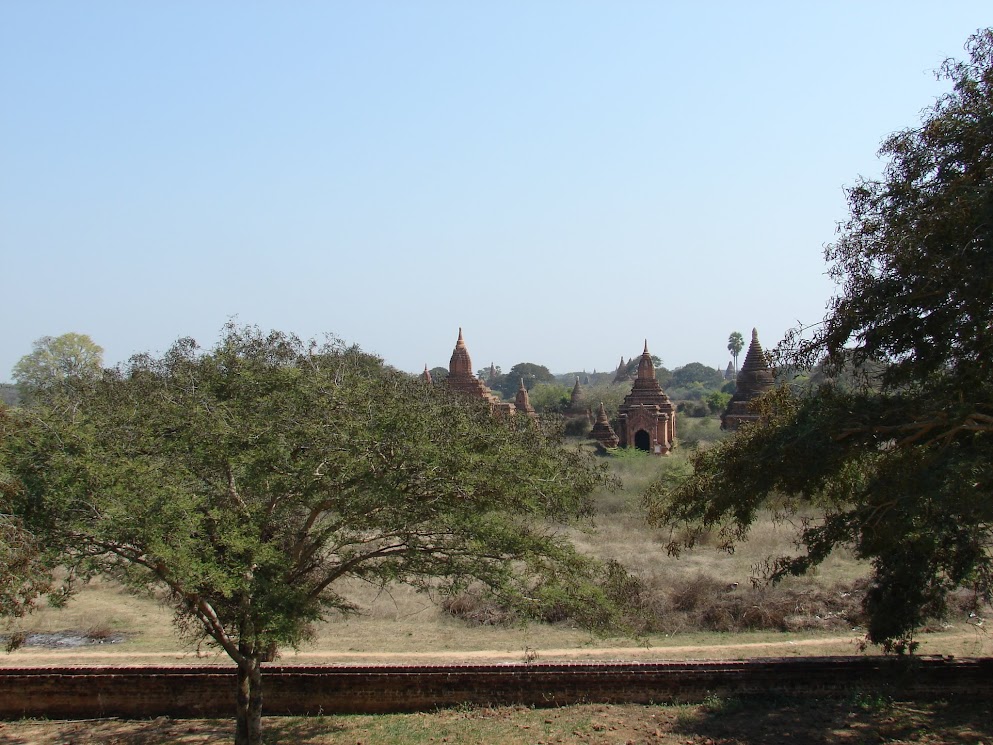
248, 729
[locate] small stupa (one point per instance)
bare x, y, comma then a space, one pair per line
522, 402
602, 432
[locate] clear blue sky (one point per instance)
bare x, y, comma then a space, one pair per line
561, 179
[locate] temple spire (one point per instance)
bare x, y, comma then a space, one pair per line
461, 364
522, 401
646, 368
754, 379
427, 374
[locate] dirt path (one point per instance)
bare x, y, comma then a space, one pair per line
965, 644
102, 655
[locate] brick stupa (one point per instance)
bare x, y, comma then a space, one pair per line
522, 402
602, 432
754, 379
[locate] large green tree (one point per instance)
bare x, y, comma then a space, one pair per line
529, 372
56, 360
25, 563
249, 480
696, 372
899, 468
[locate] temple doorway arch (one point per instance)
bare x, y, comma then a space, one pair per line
642, 440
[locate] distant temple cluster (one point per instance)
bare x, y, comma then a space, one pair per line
646, 417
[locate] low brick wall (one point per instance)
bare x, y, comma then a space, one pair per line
210, 691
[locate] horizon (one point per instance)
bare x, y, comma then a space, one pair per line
562, 180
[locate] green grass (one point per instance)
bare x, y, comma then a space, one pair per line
733, 721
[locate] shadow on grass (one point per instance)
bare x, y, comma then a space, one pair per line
303, 730
864, 716
165, 731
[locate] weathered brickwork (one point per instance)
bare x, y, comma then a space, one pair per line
754, 379
210, 691
647, 416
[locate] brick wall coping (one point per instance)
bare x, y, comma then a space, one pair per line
204, 691
578, 666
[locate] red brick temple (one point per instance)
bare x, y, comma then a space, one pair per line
463, 381
647, 415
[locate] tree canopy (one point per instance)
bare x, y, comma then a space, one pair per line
25, 563
54, 360
250, 479
696, 372
530, 372
898, 468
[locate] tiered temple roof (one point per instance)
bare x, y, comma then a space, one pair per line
754, 379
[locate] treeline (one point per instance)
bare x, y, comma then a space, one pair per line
8, 394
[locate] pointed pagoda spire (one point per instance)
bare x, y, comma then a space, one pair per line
622, 371
460, 365
577, 394
755, 364
427, 375
646, 368
602, 432
522, 401
754, 379
462, 380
